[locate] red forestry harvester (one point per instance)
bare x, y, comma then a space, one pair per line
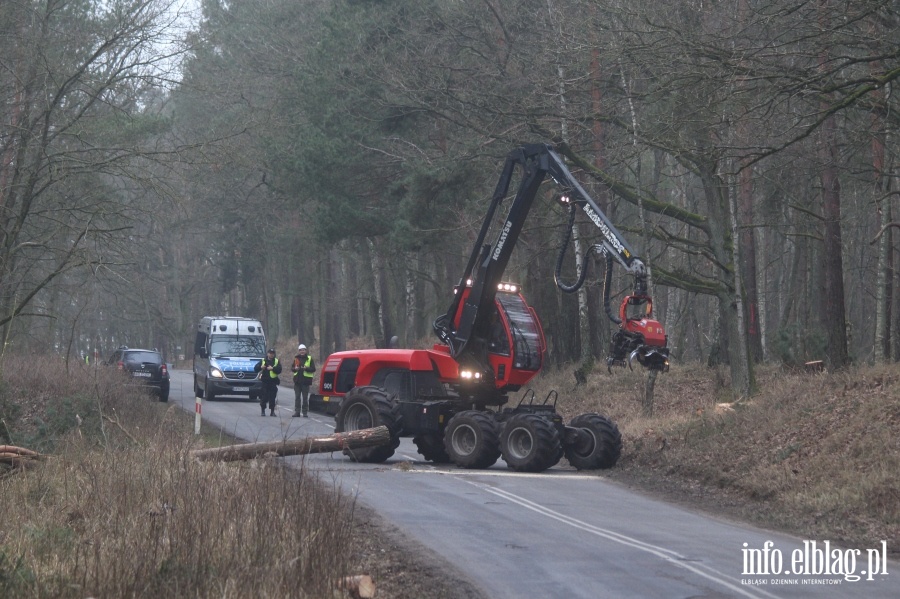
453, 399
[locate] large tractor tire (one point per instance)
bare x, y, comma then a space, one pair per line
431, 446
472, 439
530, 443
599, 444
368, 407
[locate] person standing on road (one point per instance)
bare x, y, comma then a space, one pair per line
268, 369
304, 368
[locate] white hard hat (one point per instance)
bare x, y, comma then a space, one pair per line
301, 346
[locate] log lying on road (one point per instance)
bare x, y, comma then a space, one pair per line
367, 437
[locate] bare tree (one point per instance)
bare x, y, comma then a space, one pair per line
75, 76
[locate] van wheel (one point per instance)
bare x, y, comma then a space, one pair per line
198, 392
210, 396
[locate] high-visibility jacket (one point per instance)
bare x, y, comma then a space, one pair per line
302, 371
274, 372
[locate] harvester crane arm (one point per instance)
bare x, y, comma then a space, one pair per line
487, 262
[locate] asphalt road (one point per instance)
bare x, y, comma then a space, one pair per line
564, 533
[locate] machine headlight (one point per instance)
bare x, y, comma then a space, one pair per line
216, 373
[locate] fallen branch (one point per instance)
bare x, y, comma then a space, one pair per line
367, 437
118, 424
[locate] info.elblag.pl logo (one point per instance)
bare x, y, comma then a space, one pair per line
811, 563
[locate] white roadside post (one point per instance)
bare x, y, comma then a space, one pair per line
198, 409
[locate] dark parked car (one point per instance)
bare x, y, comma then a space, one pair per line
146, 367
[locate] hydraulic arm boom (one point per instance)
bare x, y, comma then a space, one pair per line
488, 262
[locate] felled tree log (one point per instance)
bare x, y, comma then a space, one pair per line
19, 451
367, 437
18, 457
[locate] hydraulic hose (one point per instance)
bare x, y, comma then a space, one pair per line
607, 279
557, 275
607, 283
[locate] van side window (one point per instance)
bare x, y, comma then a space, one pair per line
199, 342
346, 375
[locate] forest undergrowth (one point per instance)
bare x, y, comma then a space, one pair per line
119, 509
814, 454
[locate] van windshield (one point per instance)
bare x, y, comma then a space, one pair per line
233, 346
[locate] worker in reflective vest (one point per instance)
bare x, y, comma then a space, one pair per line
268, 369
304, 369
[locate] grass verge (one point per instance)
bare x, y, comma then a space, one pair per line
119, 509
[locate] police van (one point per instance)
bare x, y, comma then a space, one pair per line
226, 350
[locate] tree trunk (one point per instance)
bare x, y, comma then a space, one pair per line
334, 290
721, 222
883, 278
585, 355
378, 314
747, 252
740, 348
601, 192
746, 238
350, 293
367, 437
834, 314
326, 310
411, 302
884, 275
761, 290
649, 386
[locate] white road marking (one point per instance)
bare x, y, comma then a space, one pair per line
663, 553
501, 473
668, 555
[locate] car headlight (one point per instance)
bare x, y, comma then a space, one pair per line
216, 373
